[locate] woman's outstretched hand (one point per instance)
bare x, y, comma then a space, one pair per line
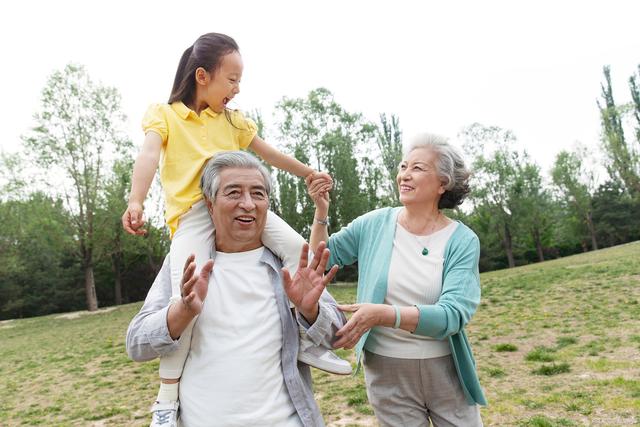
365, 317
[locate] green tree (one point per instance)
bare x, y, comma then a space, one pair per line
624, 162
534, 205
78, 134
616, 214
389, 139
575, 184
496, 168
38, 275
635, 96
320, 132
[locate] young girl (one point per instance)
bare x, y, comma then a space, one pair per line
190, 129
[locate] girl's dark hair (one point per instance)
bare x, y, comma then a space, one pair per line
206, 52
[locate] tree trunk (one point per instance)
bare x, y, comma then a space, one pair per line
592, 232
507, 242
117, 273
90, 288
538, 242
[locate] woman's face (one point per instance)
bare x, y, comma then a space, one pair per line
418, 180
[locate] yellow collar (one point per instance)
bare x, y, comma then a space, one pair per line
184, 111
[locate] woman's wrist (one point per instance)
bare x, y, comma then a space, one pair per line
388, 316
321, 213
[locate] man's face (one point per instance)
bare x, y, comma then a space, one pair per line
239, 210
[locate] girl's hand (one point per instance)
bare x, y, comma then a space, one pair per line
365, 317
319, 181
318, 189
132, 220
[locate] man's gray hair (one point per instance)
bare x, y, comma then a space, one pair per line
450, 166
210, 180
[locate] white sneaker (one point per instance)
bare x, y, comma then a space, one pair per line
320, 357
164, 414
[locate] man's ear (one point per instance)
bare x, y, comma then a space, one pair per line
209, 206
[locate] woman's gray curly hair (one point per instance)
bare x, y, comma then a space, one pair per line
450, 168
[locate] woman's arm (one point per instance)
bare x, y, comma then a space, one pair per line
319, 231
460, 295
344, 244
366, 316
278, 159
143, 173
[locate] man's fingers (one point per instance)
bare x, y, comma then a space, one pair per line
286, 278
330, 275
317, 256
304, 256
188, 262
206, 269
322, 262
188, 285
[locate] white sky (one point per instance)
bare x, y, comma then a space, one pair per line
533, 67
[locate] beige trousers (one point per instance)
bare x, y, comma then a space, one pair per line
414, 392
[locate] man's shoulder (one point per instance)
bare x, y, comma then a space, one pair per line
271, 259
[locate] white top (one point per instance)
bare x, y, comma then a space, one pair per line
413, 279
233, 374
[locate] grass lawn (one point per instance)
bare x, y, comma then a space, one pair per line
556, 344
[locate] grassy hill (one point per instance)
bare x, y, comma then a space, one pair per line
556, 344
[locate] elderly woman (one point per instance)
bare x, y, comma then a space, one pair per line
418, 287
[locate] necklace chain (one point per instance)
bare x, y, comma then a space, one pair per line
425, 250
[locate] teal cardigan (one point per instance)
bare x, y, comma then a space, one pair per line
369, 240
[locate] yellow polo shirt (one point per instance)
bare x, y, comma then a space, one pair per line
188, 142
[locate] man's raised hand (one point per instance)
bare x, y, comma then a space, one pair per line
193, 288
306, 286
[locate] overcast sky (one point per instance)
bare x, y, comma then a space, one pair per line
532, 67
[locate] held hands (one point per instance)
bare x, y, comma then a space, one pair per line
194, 287
365, 317
132, 219
305, 288
318, 186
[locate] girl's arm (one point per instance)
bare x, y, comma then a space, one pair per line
278, 159
143, 172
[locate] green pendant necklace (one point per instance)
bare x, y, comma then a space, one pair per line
425, 250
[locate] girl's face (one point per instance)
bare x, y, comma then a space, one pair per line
418, 179
224, 84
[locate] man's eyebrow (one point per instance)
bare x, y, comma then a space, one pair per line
235, 186
230, 187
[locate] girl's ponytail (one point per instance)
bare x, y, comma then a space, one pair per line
206, 52
180, 82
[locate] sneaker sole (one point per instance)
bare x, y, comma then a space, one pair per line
324, 366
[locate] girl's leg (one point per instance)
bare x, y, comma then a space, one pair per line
284, 241
287, 244
194, 236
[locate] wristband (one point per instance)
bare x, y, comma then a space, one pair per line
398, 318
323, 221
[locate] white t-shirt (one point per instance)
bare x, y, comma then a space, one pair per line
233, 374
414, 278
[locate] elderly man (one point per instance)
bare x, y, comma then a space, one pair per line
242, 368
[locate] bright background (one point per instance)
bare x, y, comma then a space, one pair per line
532, 67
